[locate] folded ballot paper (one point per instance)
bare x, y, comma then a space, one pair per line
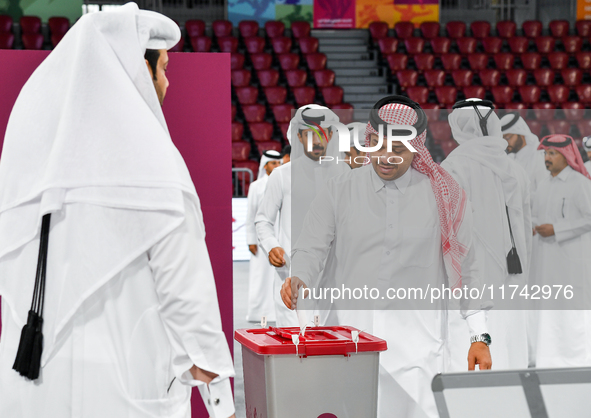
303, 315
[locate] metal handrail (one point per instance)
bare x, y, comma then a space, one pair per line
241, 180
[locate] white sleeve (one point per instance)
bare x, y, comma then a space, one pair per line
190, 312
267, 214
565, 229
252, 206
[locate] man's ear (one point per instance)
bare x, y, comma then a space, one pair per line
150, 69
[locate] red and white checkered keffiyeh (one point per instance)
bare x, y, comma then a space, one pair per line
450, 197
570, 152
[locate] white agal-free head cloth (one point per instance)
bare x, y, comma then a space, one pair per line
267, 156
87, 141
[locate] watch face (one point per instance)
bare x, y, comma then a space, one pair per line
487, 339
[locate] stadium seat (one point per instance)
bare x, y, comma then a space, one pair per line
462, 78
237, 130
407, 78
558, 60
506, 29
451, 61
281, 44
530, 94
430, 30
440, 131
583, 60
236, 60
274, 28
558, 93
316, 61
268, 78
296, 78
254, 113
228, 44
234, 111
584, 127
466, 45
324, 78
558, 127
388, 45
251, 165
419, 94
516, 77
502, 94
275, 95
248, 28
6, 40
268, 145
332, 95
203, 44
179, 46
432, 111
397, 62
446, 95
404, 30
344, 112
247, 95
414, 45
424, 61
559, 28
544, 111
517, 106
518, 44
240, 78
544, 76
477, 92
283, 127
545, 44
572, 44
30, 24
221, 28
490, 77
504, 61
492, 44
572, 76
455, 29
448, 146
573, 110
532, 28
194, 28
304, 95
289, 61
584, 93
240, 150
282, 112
261, 131
583, 28
440, 45
32, 40
308, 45
531, 60
378, 30
58, 26
435, 78
262, 61
300, 29
480, 29
5, 24
478, 61
254, 44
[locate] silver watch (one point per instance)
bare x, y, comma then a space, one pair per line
483, 338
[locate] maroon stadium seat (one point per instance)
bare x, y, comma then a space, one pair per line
194, 28
451, 61
517, 106
531, 60
477, 92
440, 45
236, 60
544, 110
324, 78
6, 40
506, 29
234, 110
237, 131
430, 30
584, 93
179, 46
222, 28
584, 127
530, 94
261, 131
440, 131
397, 62
268, 78
32, 40
584, 60
466, 45
30, 24
296, 78
289, 61
455, 29
58, 26
478, 61
228, 44
308, 45
446, 95
275, 95
268, 145
424, 61
304, 95
254, 44
203, 44
248, 28
332, 95
502, 94
407, 78
544, 76
344, 111
572, 76
516, 77
241, 78
535, 126
545, 44
281, 44
404, 29
283, 127
558, 93
490, 77
262, 61
254, 113
573, 110
558, 127
316, 61
435, 78
274, 28
558, 60
480, 29
414, 45
504, 61
419, 94
462, 78
532, 28
492, 44
583, 28
388, 45
378, 30
559, 28
240, 151
448, 146
572, 44
247, 95
518, 44
5, 23
432, 111
300, 29
282, 112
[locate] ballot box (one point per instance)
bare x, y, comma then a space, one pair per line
328, 372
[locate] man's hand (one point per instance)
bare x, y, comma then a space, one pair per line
290, 290
253, 249
534, 231
545, 230
276, 257
479, 353
203, 375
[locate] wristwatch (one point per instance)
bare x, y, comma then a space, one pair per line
483, 338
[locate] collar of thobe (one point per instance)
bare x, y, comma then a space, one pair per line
401, 183
564, 174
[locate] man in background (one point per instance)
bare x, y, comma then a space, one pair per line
286, 154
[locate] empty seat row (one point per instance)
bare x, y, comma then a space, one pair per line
31, 35
278, 95
294, 78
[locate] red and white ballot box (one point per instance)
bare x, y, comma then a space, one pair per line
329, 372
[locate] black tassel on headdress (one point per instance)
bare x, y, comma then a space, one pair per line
513, 262
28, 356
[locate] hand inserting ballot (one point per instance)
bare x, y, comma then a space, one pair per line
290, 290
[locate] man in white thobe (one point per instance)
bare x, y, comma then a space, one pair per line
523, 147
561, 214
497, 188
261, 273
587, 149
130, 321
354, 157
390, 225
